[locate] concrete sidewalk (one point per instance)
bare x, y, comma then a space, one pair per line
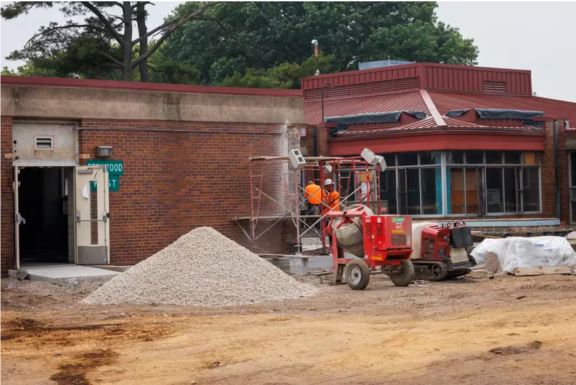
62, 271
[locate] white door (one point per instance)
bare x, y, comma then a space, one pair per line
92, 215
17, 217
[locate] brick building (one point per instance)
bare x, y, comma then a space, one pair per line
460, 142
179, 161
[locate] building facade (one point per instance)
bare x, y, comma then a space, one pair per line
179, 161
459, 142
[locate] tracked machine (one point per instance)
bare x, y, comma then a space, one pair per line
441, 250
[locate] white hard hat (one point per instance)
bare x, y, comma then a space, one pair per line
327, 182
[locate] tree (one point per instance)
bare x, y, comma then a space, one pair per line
102, 42
231, 40
285, 75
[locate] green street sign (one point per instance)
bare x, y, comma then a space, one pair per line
114, 167
113, 183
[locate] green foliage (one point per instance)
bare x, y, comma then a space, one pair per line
246, 44
28, 69
284, 75
249, 38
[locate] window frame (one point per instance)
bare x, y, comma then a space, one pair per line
445, 166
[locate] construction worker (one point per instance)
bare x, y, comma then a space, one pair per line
331, 197
313, 193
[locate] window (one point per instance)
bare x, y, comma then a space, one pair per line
476, 183
572, 166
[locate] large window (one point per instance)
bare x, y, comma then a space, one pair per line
413, 183
468, 183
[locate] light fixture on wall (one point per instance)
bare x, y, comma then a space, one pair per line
104, 151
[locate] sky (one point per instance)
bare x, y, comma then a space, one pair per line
536, 36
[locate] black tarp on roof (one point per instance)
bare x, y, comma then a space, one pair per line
456, 113
381, 117
416, 114
485, 113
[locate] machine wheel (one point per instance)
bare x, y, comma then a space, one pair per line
439, 271
357, 274
405, 275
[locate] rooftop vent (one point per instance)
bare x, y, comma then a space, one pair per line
494, 87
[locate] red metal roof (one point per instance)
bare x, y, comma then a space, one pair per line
556, 109
371, 104
434, 76
429, 123
36, 81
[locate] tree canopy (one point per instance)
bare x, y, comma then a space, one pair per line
266, 44
100, 44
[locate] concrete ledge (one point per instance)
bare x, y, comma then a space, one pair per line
91, 103
60, 273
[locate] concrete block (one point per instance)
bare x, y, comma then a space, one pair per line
299, 265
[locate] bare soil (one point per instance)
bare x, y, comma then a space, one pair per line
507, 330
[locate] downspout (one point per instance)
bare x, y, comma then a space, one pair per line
315, 138
556, 169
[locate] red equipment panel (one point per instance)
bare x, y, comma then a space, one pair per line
387, 235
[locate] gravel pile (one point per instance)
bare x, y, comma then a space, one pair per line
202, 268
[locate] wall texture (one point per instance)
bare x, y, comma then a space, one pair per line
86, 103
175, 181
7, 199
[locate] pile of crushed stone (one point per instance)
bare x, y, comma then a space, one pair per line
201, 268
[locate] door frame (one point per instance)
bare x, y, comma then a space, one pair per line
106, 204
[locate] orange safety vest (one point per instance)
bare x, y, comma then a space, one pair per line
314, 194
332, 200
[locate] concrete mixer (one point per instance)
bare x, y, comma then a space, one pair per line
372, 240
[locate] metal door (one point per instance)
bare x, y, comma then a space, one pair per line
92, 215
17, 218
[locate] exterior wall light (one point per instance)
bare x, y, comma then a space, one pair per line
104, 151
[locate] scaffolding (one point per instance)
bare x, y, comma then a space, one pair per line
277, 193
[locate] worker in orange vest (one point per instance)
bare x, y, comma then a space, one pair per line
313, 193
332, 200
331, 197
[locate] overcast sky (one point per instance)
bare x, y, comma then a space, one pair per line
538, 36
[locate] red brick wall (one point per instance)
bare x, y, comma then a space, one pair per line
176, 181
7, 200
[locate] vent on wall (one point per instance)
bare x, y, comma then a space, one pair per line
494, 86
44, 143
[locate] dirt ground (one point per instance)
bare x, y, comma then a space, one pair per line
507, 330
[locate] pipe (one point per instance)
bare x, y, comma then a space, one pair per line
315, 137
189, 131
556, 169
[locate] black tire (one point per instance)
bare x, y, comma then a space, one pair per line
405, 275
357, 274
439, 271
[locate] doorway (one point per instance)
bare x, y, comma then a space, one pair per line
46, 207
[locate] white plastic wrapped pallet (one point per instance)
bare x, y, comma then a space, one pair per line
526, 252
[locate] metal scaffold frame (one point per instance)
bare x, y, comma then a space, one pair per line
355, 179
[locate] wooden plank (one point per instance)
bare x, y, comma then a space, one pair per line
542, 270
